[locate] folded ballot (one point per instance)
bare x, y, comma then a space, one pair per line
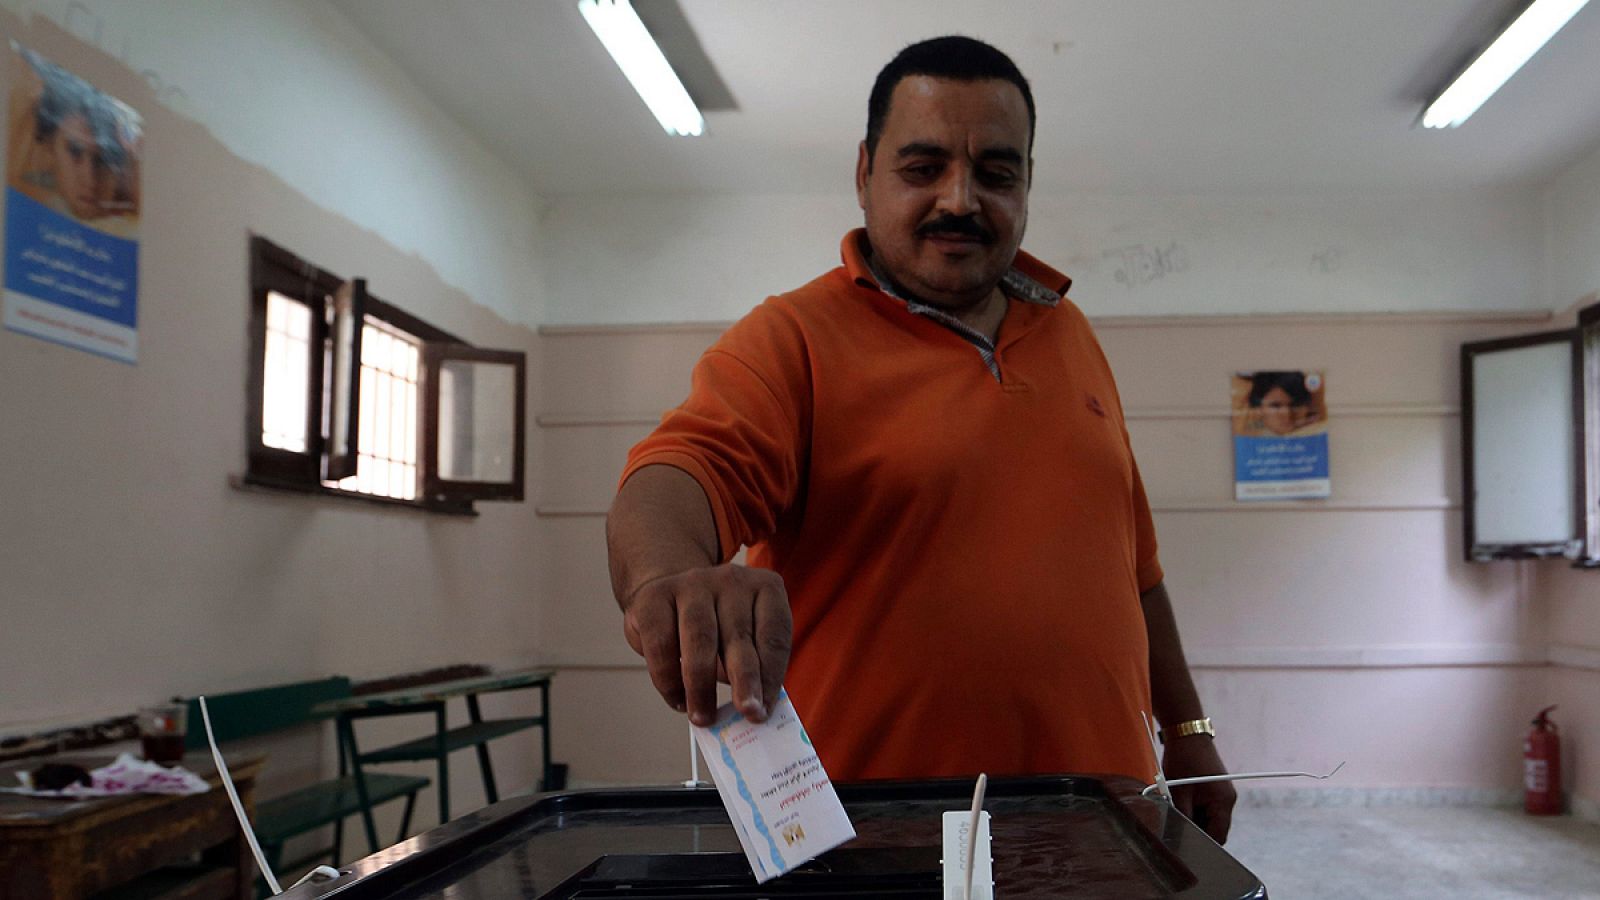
782, 804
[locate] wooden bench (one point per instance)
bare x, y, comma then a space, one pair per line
244, 714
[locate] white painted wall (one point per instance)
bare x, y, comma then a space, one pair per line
291, 85
1572, 232
699, 258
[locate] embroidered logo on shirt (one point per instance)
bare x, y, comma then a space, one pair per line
1093, 403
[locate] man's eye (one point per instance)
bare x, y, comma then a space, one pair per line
921, 171
997, 178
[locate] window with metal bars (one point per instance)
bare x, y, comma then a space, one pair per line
349, 395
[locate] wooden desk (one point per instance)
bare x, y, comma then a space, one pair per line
140, 844
430, 698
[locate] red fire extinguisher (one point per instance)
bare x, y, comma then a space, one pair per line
1541, 767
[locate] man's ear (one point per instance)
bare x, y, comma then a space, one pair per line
863, 164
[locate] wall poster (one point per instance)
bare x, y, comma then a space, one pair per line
1280, 435
72, 211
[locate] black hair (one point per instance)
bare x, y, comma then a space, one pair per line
955, 58
1292, 383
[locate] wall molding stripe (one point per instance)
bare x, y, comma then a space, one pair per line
1281, 506
1354, 411
1436, 504
1324, 798
1570, 656
1420, 656
1234, 320
565, 420
1377, 657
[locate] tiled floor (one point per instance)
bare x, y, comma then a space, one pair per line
1399, 852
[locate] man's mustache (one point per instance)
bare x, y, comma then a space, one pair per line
968, 226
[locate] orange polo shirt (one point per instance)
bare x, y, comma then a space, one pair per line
963, 555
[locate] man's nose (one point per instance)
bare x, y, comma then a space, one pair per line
958, 195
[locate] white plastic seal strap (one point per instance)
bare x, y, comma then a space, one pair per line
968, 860
317, 874
1163, 786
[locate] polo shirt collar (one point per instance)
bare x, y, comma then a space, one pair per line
1027, 279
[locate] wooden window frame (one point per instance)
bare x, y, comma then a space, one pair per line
1584, 436
436, 354
276, 269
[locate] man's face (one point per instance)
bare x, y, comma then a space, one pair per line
80, 175
946, 197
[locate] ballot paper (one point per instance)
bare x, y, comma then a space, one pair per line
783, 806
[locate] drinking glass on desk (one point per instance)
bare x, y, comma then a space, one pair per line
161, 732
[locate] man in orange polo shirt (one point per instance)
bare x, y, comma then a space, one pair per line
952, 565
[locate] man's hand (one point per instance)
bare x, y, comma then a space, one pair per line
1209, 805
698, 624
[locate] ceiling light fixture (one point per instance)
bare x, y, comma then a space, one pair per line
1521, 40
636, 53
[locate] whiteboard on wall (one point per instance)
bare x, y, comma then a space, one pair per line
1521, 457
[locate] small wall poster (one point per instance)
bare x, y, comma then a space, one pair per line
72, 211
1280, 435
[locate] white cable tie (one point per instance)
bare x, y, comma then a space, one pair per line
1203, 779
1162, 784
972, 830
238, 808
320, 873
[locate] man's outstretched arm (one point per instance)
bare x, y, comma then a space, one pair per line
1172, 692
682, 611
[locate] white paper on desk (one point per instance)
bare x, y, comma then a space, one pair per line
127, 775
783, 806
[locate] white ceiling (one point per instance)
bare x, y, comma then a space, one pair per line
1147, 96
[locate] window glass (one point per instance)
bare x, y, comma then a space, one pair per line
286, 382
387, 463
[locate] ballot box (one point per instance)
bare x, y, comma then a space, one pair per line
1052, 837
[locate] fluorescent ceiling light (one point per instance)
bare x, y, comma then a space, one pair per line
636, 53
1521, 40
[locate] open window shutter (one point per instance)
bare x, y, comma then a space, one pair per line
274, 271
1523, 451
473, 414
346, 315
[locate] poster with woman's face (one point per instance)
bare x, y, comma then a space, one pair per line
72, 146
72, 211
1280, 435
1278, 402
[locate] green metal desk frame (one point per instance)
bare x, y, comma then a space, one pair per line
431, 698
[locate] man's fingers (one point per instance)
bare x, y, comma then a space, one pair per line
1219, 818
630, 630
702, 626
735, 622
697, 645
651, 625
1183, 799
774, 636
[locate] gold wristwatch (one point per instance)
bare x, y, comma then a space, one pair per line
1184, 729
